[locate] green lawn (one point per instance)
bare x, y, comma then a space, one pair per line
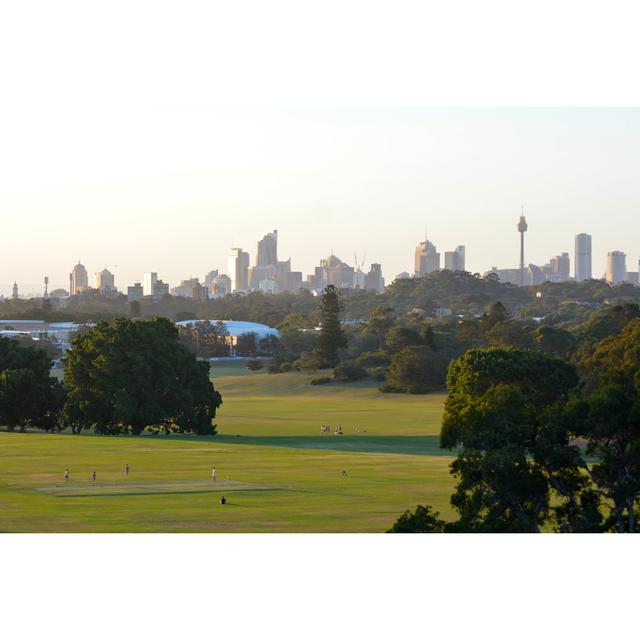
282, 473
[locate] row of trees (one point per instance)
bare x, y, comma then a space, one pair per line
119, 378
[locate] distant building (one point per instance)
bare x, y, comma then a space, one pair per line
442, 312
333, 271
160, 289
220, 286
238, 267
582, 257
59, 293
616, 267
14, 293
78, 280
268, 250
294, 281
136, 292
105, 283
208, 279
259, 274
149, 282
185, 288
559, 268
426, 259
455, 260
403, 275
632, 277
373, 279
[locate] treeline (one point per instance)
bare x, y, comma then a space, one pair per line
545, 442
466, 294
120, 378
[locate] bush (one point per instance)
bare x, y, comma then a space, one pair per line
320, 380
422, 520
379, 374
349, 371
308, 361
273, 367
254, 365
285, 367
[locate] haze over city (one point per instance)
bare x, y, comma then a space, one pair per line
173, 190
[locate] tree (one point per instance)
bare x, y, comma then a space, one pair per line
422, 520
134, 309
332, 338
29, 396
416, 369
254, 365
554, 341
501, 414
135, 374
246, 345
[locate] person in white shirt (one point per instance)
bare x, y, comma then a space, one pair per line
66, 473
213, 475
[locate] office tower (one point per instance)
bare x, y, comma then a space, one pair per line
582, 257
220, 286
149, 282
522, 228
294, 281
426, 259
135, 292
105, 282
268, 250
160, 289
560, 267
333, 271
208, 279
616, 267
78, 280
185, 288
454, 260
14, 294
46, 287
373, 279
238, 267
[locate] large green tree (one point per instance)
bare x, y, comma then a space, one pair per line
332, 338
134, 374
29, 396
501, 413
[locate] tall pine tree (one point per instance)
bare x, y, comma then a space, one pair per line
332, 338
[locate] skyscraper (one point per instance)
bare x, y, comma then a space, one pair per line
561, 267
427, 259
78, 280
238, 267
105, 282
268, 250
149, 283
616, 267
582, 258
14, 293
454, 260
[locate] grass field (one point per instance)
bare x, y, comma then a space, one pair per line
277, 471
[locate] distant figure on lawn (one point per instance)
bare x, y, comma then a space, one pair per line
66, 473
223, 500
126, 469
93, 476
344, 472
213, 474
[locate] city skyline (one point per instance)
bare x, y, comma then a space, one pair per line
193, 183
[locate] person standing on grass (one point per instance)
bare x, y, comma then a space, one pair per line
126, 469
66, 474
213, 474
93, 476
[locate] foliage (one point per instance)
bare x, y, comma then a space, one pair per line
320, 380
254, 365
422, 520
136, 374
332, 338
205, 339
415, 369
29, 396
349, 371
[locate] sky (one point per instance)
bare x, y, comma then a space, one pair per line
171, 189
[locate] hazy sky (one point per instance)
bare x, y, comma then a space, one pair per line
172, 189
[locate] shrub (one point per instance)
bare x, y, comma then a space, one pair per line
273, 367
254, 365
285, 367
320, 380
349, 371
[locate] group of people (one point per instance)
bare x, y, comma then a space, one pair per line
93, 475
325, 428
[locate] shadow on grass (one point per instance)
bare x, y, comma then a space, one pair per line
408, 445
129, 494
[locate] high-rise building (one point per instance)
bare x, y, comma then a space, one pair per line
208, 279
135, 292
220, 286
582, 258
78, 280
373, 279
560, 267
268, 250
185, 288
333, 271
238, 267
454, 260
14, 293
616, 267
149, 282
105, 282
426, 259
